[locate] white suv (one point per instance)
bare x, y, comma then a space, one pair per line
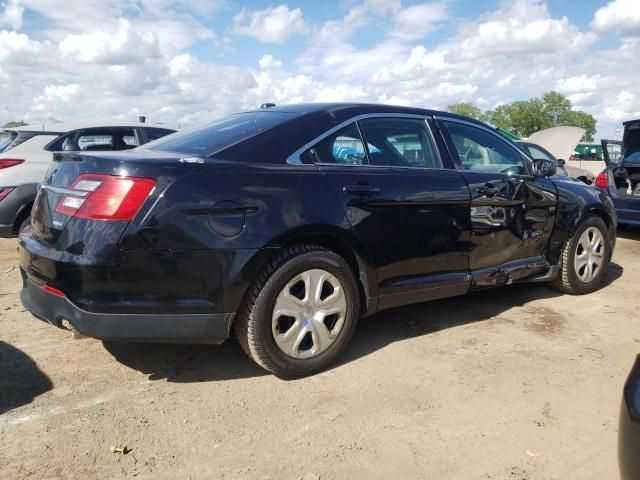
26, 152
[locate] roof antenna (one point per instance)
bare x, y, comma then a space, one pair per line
267, 105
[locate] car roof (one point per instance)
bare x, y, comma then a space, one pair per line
352, 109
68, 127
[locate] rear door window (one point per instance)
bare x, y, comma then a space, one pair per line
344, 147
400, 142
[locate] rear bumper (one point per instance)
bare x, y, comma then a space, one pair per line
167, 328
629, 428
627, 208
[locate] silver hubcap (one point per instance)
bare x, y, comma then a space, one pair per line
589, 254
309, 314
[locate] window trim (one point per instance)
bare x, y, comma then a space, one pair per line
295, 157
528, 162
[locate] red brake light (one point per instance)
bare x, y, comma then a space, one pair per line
106, 197
9, 162
602, 180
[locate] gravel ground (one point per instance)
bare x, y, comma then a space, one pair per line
515, 383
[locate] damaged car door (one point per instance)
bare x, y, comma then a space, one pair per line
512, 210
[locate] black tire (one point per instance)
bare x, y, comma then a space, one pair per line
567, 280
253, 323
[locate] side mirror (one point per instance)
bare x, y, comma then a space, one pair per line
561, 162
545, 167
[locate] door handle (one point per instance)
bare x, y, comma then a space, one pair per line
488, 190
360, 190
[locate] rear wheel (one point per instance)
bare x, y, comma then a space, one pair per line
300, 313
585, 258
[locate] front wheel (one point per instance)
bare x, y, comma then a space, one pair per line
585, 258
300, 313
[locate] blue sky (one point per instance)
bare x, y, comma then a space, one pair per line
188, 62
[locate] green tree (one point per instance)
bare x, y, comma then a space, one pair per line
14, 123
524, 117
467, 110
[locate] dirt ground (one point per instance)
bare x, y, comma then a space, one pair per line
516, 383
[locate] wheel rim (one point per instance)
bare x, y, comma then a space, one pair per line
309, 314
589, 255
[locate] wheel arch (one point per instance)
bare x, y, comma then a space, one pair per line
22, 214
336, 239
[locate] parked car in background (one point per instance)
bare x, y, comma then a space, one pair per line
536, 152
629, 427
26, 153
288, 224
621, 178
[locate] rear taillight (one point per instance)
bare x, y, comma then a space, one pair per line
602, 180
9, 162
105, 197
4, 192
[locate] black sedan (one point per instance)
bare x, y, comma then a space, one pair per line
287, 224
629, 429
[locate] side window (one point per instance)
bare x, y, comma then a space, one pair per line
482, 151
344, 148
400, 142
538, 154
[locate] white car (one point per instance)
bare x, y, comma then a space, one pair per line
26, 153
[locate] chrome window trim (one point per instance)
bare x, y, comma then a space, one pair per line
526, 158
294, 158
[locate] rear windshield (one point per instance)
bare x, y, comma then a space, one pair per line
6, 137
211, 138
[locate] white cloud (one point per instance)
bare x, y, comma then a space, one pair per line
417, 20
578, 84
17, 47
12, 14
521, 27
123, 47
272, 25
267, 61
618, 15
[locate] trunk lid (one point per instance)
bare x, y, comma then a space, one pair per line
625, 151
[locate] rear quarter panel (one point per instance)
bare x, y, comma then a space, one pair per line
241, 211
